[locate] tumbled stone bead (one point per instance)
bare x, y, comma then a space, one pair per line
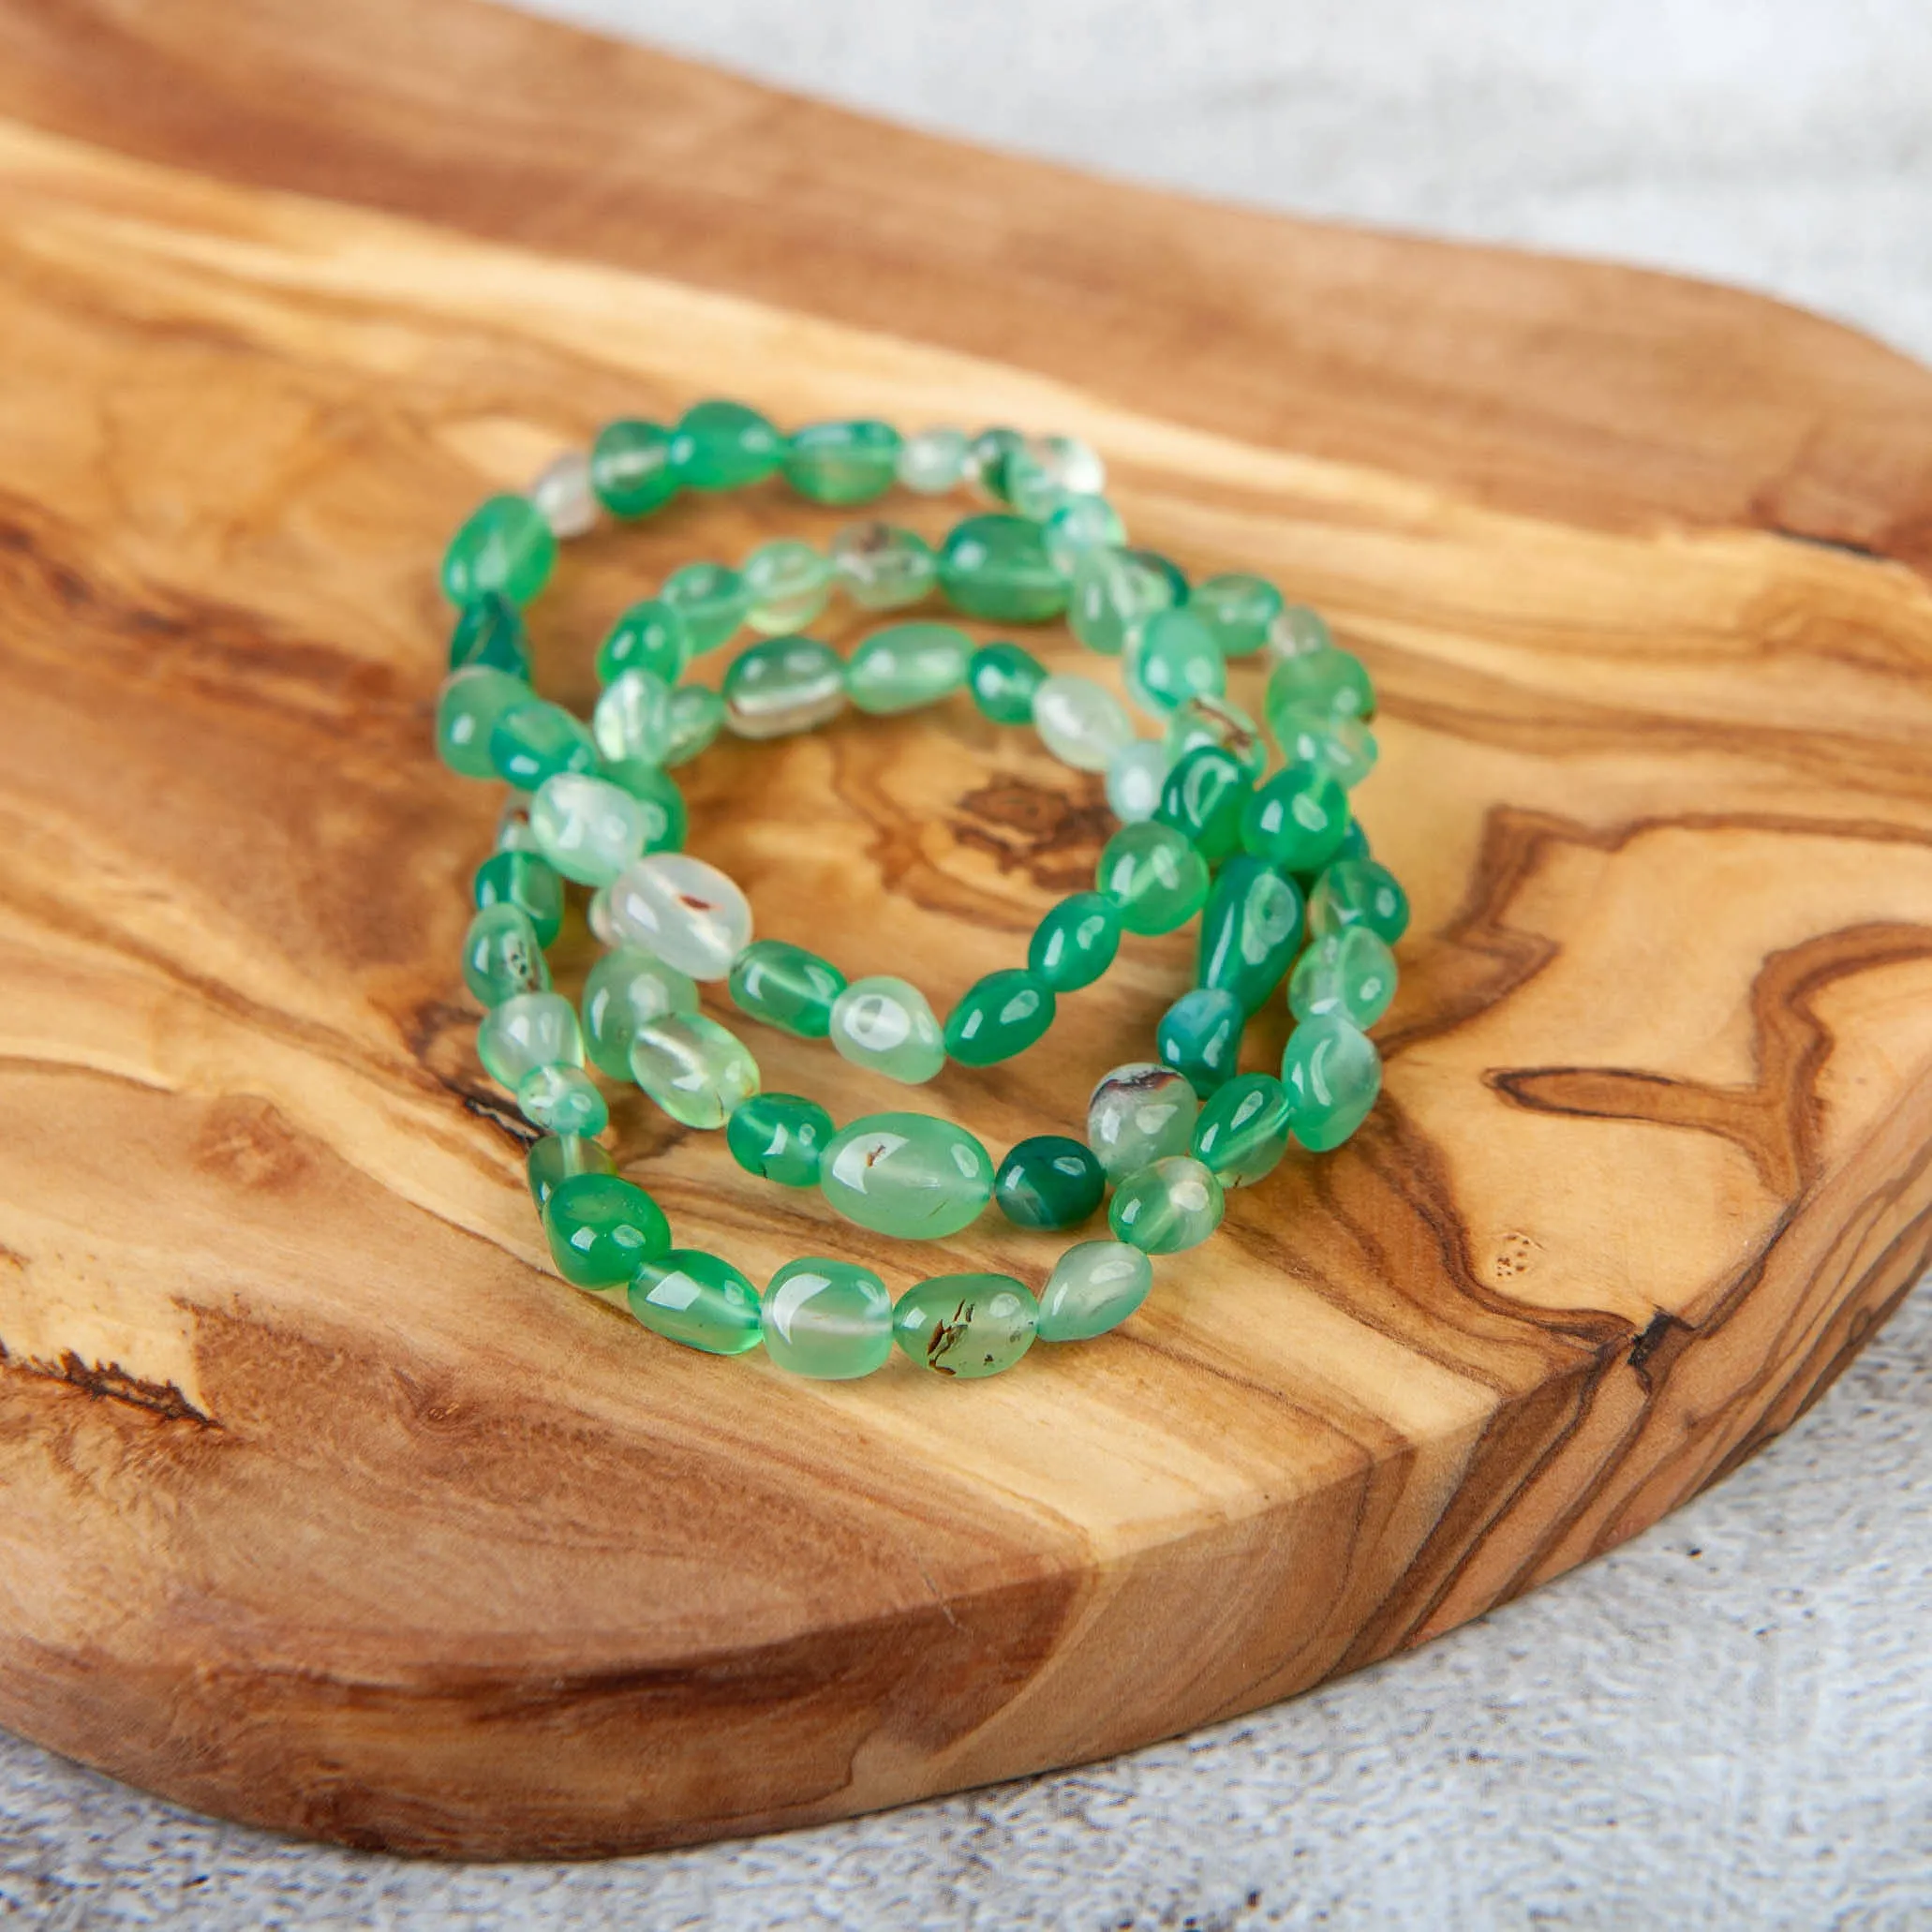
631, 468
491, 632
563, 495
1075, 942
1250, 928
686, 912
1333, 1074
831, 1320
469, 708
997, 568
907, 1174
1218, 721
554, 1158
1359, 892
1094, 1287
1203, 797
721, 445
1003, 678
933, 462
1113, 593
987, 458
503, 545
1172, 657
650, 636
883, 566
1135, 779
588, 829
1082, 723
1154, 877
843, 462
696, 1070
712, 600
562, 1100
1140, 1114
885, 1024
907, 665
1348, 971
1168, 570
1343, 747
1049, 1181
1238, 609
1199, 1037
660, 803
631, 717
529, 1030
525, 880
1029, 490
966, 1325
1071, 464
1298, 630
503, 957
1078, 525
780, 1137
1242, 1131
783, 685
1171, 1205
699, 1299
627, 989
536, 740
999, 1016
790, 583
697, 716
1296, 819
1330, 679
602, 1228
786, 987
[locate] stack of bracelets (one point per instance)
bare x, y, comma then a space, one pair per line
1268, 861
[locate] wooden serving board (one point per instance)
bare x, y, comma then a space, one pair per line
323, 1503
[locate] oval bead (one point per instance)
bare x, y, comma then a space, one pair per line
696, 1070
885, 1024
783, 685
490, 631
1031, 488
1199, 1037
504, 545
1049, 1181
660, 803
525, 1032
467, 710
933, 462
966, 1325
601, 1227
829, 1320
563, 498
790, 583
721, 445
1203, 797
1082, 723
562, 1100
535, 740
632, 717
843, 462
998, 1016
1075, 942
1172, 1205
786, 987
502, 956
779, 1137
1003, 678
1140, 1114
907, 1174
1349, 972
1238, 611
1332, 1074
588, 829
1296, 820
697, 716
1220, 722
1343, 747
997, 568
1250, 928
696, 1299
1113, 593
688, 912
1298, 630
907, 665
712, 600
1329, 679
627, 989
1154, 877
648, 636
1359, 892
1078, 524
883, 566
631, 468
1135, 780
526, 881
1171, 658
555, 1158
1094, 1287
1243, 1132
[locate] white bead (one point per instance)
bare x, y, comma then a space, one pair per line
564, 498
933, 461
1134, 778
597, 915
1082, 723
689, 913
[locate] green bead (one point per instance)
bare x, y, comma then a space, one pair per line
790, 583
884, 1024
1169, 573
1238, 611
688, 1296
711, 599
502, 956
588, 829
696, 1070
831, 1320
986, 459
786, 987
1032, 488
627, 989
997, 568
1114, 591
1296, 820
780, 1137
1049, 1181
907, 1174
843, 462
999, 1016
907, 665
1003, 678
536, 740
1242, 1131
883, 566
562, 1100
1170, 658
649, 636
602, 1228
966, 1325
1094, 1287
1174, 1204
1330, 679
469, 708
1342, 747
1075, 942
782, 685
1333, 1074
660, 803
525, 879
1219, 721
490, 630
1153, 876
1348, 971
504, 545
554, 1158
933, 461
1250, 928
1359, 892
1199, 1037
1140, 1114
1203, 798
631, 469
697, 716
632, 717
1081, 523
529, 1030
724, 446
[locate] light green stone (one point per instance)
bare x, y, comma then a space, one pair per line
525, 1032
1199, 1037
588, 829
1359, 892
711, 599
602, 1228
467, 710
660, 803
1154, 877
1342, 747
783, 685
933, 461
502, 956
1250, 928
504, 545
525, 879
1138, 1115
696, 1070
1298, 632
780, 1137
1348, 971
1203, 797
1296, 820
997, 568
1114, 591
842, 462
1078, 524
721, 445
649, 635
907, 665
555, 1158
1164, 1209
1003, 678
883, 566
1170, 657
786, 987
631, 468
1218, 721
907, 1174
829, 1320
1094, 1287
1081, 721
490, 630
1333, 1074
536, 740
999, 1016
627, 989
698, 1300
562, 1100
1032, 488
1075, 942
1135, 779
966, 1325
1238, 611
697, 716
1330, 679
1243, 1132
885, 1024
790, 583
632, 717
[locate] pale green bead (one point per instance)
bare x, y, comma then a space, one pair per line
1113, 592
933, 462
831, 1320
1170, 657
627, 989
907, 665
783, 685
1094, 1287
529, 1031
883, 566
562, 1100
712, 600
1339, 746
588, 829
790, 583
1140, 1114
1082, 524
696, 1070
502, 956
467, 710
1135, 779
1347, 971
1298, 632
633, 718
1154, 875
1070, 464
885, 1024
1174, 1204
907, 1174
1082, 723
1239, 610
1031, 488
966, 1325
697, 716
691, 1296
1219, 721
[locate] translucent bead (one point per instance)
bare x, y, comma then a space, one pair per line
1138, 1115
783, 685
514, 832
588, 829
1154, 877
555, 1158
697, 716
933, 462
631, 468
966, 1325
632, 717
1074, 465
883, 566
884, 1024
1250, 928
1238, 611
907, 665
721, 445
831, 1320
1029, 490
1243, 1132
597, 915
1359, 892
1135, 779
535, 740
1298, 630
651, 636
686, 912
999, 1016
1082, 723
711, 599
987, 458
1003, 678
467, 710
907, 1174
1203, 797
660, 803
790, 583
1049, 1181
786, 987
1199, 1037
627, 989
502, 956
525, 1032
698, 1300
1170, 1206
1296, 819
1168, 570
1114, 591
526, 881
1075, 942
780, 1137
503, 545
1329, 679
562, 1100
1342, 748
997, 568
1082, 524
1348, 971
563, 495
696, 1070
490, 630
1170, 658
1332, 1074
603, 1228
1094, 1287
1218, 721
843, 462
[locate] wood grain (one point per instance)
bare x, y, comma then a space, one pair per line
321, 1503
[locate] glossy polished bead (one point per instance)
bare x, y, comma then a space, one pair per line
1359, 892
1113, 593
1094, 1287
1171, 658
907, 665
1030, 489
565, 500
650, 635
697, 1299
1003, 678
536, 740
660, 803
1078, 525
1203, 797
1154, 877
562, 1100
987, 458
997, 568
1333, 1074
525, 880
1049, 1181
1199, 1037
790, 583
1140, 1114
1344, 748
529, 1030
588, 829
697, 716
780, 1137
555, 1158
1299, 630
491, 632
502, 956
1082, 723
467, 710
1172, 1205
843, 462
966, 1325
1250, 928
503, 545
631, 468
1075, 942
1331, 680
1296, 819
1219, 721
1243, 1132
632, 717
597, 915
696, 1070
885, 1024
883, 566
1169, 573
907, 1174
999, 1016
829, 1320
602, 1228
781, 686
627, 989
1238, 611
786, 987
686, 912
721, 445
933, 462
1348, 971
1072, 465
1135, 779
711, 599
